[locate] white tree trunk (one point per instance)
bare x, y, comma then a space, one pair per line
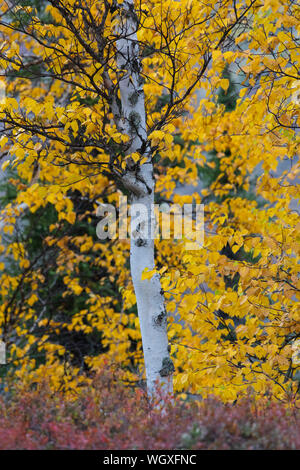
150, 304
140, 181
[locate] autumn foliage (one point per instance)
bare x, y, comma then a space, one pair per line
111, 416
67, 300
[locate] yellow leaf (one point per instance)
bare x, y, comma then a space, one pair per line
148, 274
5, 165
224, 83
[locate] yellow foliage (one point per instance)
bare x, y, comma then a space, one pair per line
235, 319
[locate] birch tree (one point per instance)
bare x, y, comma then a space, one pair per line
130, 71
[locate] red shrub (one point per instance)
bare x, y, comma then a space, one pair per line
111, 416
